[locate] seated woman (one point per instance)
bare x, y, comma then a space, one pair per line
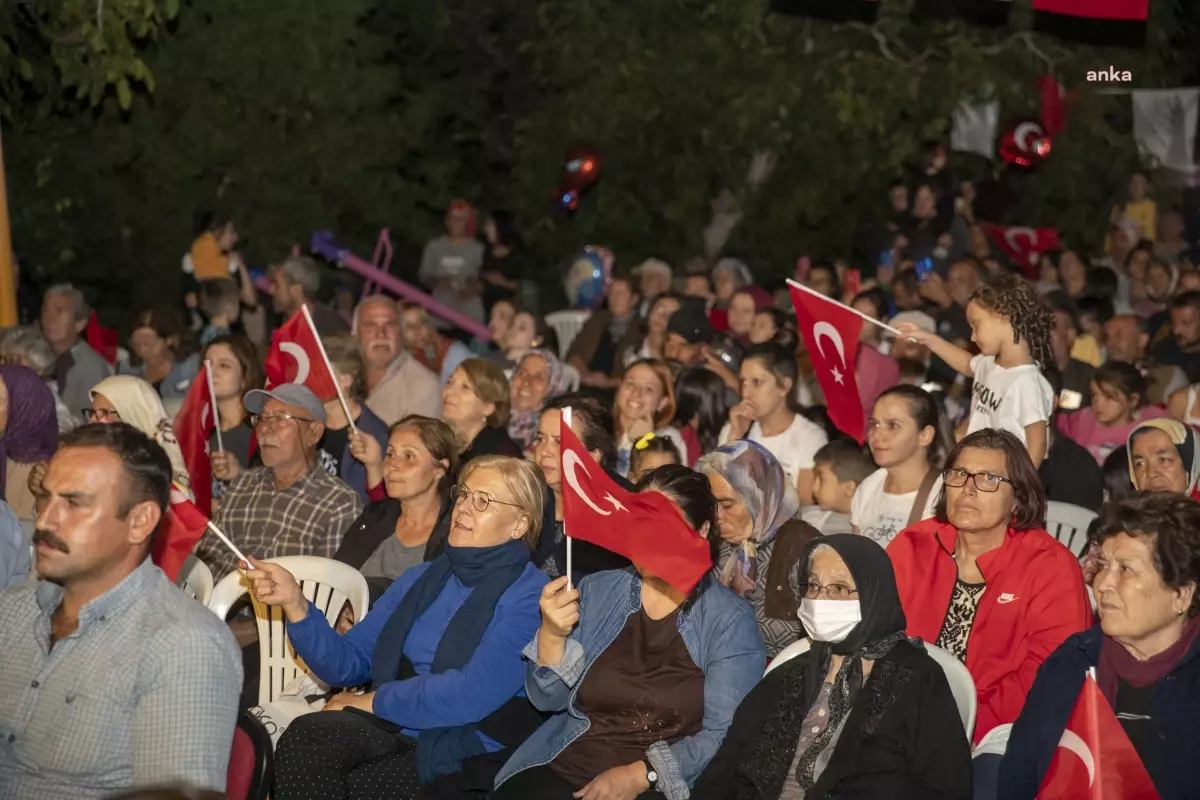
760, 540
441, 650
1144, 650
984, 581
643, 678
539, 377
476, 405
645, 403
1118, 404
124, 398
865, 713
157, 342
1163, 457
410, 525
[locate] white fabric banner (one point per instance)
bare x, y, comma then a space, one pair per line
974, 128
1164, 125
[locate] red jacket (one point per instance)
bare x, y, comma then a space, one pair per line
1035, 599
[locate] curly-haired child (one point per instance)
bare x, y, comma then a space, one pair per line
1011, 327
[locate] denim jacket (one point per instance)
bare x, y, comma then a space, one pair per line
721, 636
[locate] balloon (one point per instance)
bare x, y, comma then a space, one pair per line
589, 277
1024, 143
581, 168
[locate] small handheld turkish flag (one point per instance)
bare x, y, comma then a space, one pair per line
297, 356
830, 332
1023, 246
642, 526
193, 425
1095, 759
180, 529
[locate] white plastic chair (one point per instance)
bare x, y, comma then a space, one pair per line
196, 579
327, 583
567, 325
788, 653
1069, 524
962, 686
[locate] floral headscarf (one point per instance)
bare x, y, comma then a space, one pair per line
140, 406
758, 479
523, 425
31, 434
1185, 440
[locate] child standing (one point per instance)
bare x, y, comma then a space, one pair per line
1011, 327
838, 468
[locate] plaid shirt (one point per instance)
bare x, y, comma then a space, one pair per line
144, 692
307, 518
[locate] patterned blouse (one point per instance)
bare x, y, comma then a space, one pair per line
956, 628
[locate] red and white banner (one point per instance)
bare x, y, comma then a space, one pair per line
1131, 10
830, 332
1022, 245
297, 356
193, 426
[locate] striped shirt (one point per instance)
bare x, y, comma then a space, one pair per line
144, 692
307, 518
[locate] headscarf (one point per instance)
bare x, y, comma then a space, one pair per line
31, 434
1184, 438
140, 406
736, 268
882, 628
523, 425
759, 481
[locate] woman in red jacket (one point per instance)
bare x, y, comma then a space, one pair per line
984, 581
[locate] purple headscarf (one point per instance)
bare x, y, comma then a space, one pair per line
32, 431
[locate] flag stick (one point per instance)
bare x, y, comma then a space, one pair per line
225, 540
566, 415
212, 399
337, 384
871, 320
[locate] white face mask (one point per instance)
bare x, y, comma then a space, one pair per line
829, 620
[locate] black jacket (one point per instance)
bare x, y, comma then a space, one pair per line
372, 528
903, 737
491, 442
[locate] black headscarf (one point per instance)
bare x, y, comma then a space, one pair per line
881, 629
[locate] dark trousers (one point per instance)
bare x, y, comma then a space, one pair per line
339, 755
543, 783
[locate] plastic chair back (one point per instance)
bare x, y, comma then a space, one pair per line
567, 325
962, 686
251, 761
1069, 524
788, 653
327, 583
196, 579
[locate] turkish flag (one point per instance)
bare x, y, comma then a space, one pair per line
1098, 22
178, 533
297, 356
1022, 245
1095, 759
193, 425
830, 332
642, 526
104, 341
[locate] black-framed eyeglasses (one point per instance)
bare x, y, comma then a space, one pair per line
956, 477
101, 415
271, 420
834, 591
480, 500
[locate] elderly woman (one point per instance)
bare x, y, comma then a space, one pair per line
1144, 651
1163, 457
760, 540
124, 398
441, 651
642, 678
539, 377
864, 713
476, 404
28, 437
25, 345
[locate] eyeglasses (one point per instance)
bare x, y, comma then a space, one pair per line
271, 420
480, 500
834, 591
100, 415
984, 481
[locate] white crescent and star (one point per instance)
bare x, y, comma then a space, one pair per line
571, 461
302, 365
1012, 234
1071, 741
1025, 134
827, 331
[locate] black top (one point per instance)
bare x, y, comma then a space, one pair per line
488, 442
376, 523
236, 440
1070, 475
334, 442
1168, 351
1135, 712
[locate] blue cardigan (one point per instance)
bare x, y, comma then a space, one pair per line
493, 676
1172, 764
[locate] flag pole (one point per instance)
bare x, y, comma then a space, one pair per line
871, 320
212, 399
337, 384
225, 540
566, 415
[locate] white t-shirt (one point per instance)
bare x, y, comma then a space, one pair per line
879, 515
1008, 397
793, 449
826, 522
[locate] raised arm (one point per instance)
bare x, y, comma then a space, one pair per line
958, 358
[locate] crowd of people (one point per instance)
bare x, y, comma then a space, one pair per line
491, 664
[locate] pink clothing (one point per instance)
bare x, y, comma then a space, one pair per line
875, 373
1099, 441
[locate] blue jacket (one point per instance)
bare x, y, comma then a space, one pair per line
1036, 733
721, 636
458, 697
178, 381
353, 471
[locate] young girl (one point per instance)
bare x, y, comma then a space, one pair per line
645, 403
765, 415
1011, 327
1118, 405
649, 453
909, 437
702, 403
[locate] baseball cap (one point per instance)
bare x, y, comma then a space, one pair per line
918, 318
290, 394
691, 322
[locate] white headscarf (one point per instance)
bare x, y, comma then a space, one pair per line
140, 406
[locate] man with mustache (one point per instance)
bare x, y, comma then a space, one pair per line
112, 678
397, 384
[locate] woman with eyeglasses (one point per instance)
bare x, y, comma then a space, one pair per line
441, 652
986, 582
864, 713
125, 398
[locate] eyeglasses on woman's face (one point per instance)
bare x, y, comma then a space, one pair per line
833, 591
956, 477
101, 415
480, 500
